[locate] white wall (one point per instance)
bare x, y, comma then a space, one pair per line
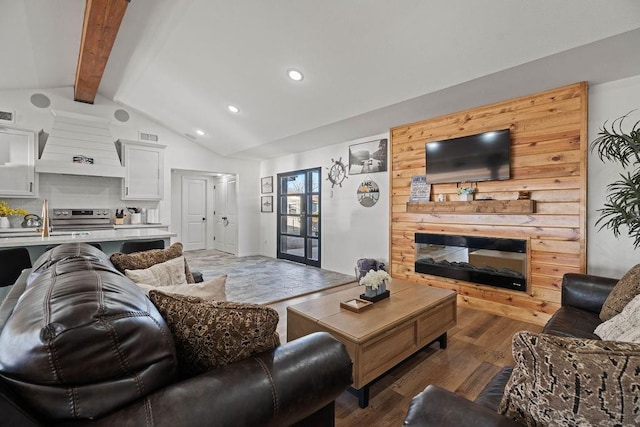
349, 230
608, 255
181, 153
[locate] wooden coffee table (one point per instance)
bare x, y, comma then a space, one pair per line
380, 337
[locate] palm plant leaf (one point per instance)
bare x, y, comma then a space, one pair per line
622, 206
616, 146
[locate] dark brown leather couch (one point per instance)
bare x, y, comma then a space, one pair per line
81, 344
582, 299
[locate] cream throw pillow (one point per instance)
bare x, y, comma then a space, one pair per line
212, 290
624, 326
164, 274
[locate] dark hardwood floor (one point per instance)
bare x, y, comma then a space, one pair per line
479, 346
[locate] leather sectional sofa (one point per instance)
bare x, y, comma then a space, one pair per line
582, 299
82, 344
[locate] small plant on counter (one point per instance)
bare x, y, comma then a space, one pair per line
6, 210
466, 190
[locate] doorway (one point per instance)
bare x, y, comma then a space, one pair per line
194, 212
225, 214
298, 215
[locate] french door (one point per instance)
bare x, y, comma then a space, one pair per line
299, 216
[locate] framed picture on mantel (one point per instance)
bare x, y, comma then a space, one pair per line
420, 190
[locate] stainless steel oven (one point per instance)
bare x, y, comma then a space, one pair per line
80, 219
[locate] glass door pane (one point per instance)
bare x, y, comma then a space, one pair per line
299, 216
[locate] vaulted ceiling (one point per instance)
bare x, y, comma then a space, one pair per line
367, 64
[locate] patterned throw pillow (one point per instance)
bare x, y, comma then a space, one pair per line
623, 327
623, 292
145, 259
559, 381
209, 334
168, 273
212, 289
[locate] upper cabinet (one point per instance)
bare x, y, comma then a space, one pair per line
17, 163
144, 170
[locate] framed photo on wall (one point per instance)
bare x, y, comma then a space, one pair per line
368, 157
266, 185
266, 204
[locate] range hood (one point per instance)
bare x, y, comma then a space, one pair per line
79, 144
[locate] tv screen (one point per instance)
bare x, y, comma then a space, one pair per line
473, 158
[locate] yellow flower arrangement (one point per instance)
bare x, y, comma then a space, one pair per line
6, 210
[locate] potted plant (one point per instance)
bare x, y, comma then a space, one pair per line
465, 194
6, 211
622, 205
375, 282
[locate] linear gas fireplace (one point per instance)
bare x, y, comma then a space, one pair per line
485, 260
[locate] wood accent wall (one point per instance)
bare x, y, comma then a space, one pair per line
548, 159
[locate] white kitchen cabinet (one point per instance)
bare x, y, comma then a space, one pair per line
17, 163
144, 170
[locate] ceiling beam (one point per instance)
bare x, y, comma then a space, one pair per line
102, 20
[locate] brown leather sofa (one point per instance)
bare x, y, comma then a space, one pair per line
582, 299
81, 344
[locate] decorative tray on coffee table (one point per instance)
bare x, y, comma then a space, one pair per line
356, 305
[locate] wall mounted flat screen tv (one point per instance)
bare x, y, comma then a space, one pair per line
473, 158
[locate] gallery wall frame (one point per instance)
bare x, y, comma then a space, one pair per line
368, 192
266, 203
368, 157
266, 185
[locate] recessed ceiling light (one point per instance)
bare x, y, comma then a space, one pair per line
233, 108
295, 75
200, 132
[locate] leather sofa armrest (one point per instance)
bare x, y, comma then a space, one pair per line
436, 406
585, 291
491, 394
278, 387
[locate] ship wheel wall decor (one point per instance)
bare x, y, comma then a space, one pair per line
337, 172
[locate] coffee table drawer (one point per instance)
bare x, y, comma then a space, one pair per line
437, 321
386, 351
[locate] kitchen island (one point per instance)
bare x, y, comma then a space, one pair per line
110, 240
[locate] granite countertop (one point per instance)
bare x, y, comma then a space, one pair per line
30, 237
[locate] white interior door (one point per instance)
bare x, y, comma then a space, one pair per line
194, 213
226, 215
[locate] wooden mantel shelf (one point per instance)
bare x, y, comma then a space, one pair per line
474, 207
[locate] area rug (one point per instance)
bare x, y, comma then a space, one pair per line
263, 280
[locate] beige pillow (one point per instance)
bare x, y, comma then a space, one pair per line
208, 334
168, 273
213, 289
145, 259
623, 292
623, 327
560, 381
